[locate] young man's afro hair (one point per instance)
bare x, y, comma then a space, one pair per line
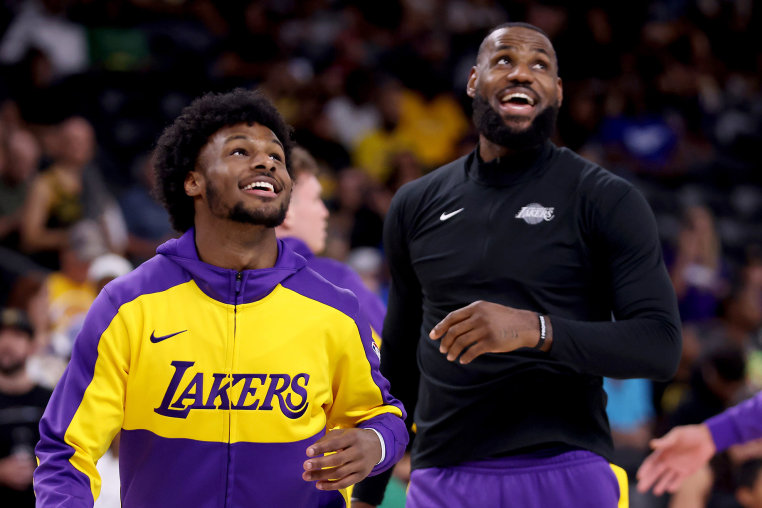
180, 144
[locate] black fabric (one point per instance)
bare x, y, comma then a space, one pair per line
551, 233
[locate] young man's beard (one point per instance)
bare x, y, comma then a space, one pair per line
491, 125
238, 213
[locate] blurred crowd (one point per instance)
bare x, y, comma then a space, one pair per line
665, 93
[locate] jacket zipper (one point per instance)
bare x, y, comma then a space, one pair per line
238, 283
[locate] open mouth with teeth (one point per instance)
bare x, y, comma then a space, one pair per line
517, 103
260, 188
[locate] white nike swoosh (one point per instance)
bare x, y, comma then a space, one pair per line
446, 216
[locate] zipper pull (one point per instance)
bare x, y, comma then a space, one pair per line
238, 279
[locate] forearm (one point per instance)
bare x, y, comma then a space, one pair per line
646, 347
738, 424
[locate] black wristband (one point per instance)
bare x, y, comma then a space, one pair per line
543, 332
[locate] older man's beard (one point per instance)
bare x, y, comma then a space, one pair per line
491, 125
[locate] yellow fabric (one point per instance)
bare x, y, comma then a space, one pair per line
624, 493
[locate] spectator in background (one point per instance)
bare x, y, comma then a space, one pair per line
147, 221
749, 491
18, 165
69, 190
68, 293
22, 403
304, 230
698, 270
43, 24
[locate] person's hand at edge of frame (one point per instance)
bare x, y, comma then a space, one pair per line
678, 454
486, 327
357, 451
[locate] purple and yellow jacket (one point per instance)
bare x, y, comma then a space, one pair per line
219, 381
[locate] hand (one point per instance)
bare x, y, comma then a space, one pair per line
680, 453
357, 452
487, 328
16, 472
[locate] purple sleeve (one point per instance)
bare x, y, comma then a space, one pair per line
393, 431
739, 424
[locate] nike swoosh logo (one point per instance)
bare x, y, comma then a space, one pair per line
156, 339
446, 216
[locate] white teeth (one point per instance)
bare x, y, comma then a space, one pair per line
518, 95
260, 185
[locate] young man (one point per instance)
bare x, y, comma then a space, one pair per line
521, 275
304, 231
685, 449
229, 368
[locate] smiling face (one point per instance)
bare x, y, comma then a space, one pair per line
515, 87
241, 176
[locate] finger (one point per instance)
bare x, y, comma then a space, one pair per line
453, 317
332, 474
665, 441
477, 349
339, 484
665, 480
463, 342
455, 332
330, 461
333, 441
648, 473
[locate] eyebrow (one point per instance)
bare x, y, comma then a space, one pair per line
504, 47
247, 138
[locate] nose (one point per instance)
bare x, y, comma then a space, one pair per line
521, 73
263, 161
324, 213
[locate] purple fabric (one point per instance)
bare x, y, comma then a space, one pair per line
740, 423
574, 479
341, 275
160, 472
220, 283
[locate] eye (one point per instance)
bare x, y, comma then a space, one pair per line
503, 60
540, 66
239, 151
276, 157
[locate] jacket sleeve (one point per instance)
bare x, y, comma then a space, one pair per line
401, 332
84, 413
739, 424
644, 338
361, 395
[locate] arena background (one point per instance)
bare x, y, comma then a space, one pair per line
663, 93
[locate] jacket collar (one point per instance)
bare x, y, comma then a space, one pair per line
227, 285
298, 246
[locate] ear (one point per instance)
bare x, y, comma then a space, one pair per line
560, 87
473, 76
193, 183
